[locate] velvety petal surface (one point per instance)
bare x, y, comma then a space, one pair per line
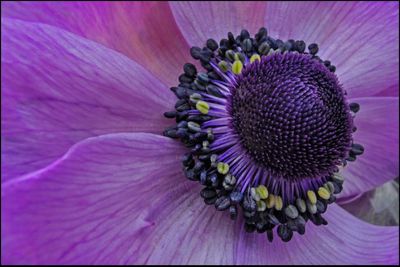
143, 31
117, 198
200, 20
58, 88
122, 199
345, 240
360, 38
377, 125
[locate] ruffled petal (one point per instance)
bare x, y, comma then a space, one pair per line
58, 88
360, 38
106, 201
143, 31
200, 21
345, 240
377, 125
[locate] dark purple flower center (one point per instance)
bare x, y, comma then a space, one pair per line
268, 128
291, 115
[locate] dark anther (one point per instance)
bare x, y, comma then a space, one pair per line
190, 69
264, 48
244, 34
355, 107
357, 149
208, 193
195, 52
222, 203
247, 45
233, 212
236, 197
332, 68
212, 44
285, 233
313, 48
170, 114
300, 46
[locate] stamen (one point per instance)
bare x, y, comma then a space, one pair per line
268, 130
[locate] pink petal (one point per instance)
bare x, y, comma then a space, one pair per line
200, 21
360, 38
345, 240
122, 199
58, 88
377, 125
145, 32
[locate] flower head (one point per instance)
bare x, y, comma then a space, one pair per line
88, 177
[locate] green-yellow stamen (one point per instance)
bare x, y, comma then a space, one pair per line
202, 106
223, 66
254, 58
323, 193
312, 197
237, 67
223, 168
262, 191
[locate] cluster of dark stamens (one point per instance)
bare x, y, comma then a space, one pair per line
234, 118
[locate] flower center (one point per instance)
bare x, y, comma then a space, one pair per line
291, 116
268, 129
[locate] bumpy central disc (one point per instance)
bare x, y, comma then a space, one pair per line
269, 130
291, 115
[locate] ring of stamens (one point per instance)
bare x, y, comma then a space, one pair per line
254, 136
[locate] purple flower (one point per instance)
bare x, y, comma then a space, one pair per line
87, 176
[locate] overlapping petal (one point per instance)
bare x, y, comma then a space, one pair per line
58, 88
345, 240
360, 38
121, 199
143, 31
200, 21
377, 125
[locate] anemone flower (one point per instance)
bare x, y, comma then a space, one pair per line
272, 105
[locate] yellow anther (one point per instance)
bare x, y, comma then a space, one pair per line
278, 203
202, 106
312, 197
223, 168
270, 201
255, 57
237, 67
236, 57
262, 191
223, 66
323, 193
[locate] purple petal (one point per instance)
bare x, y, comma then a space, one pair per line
91, 206
58, 89
360, 38
377, 125
200, 21
345, 240
106, 201
145, 32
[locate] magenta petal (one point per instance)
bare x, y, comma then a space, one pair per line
377, 125
200, 21
91, 206
345, 240
145, 32
360, 38
58, 88
121, 199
